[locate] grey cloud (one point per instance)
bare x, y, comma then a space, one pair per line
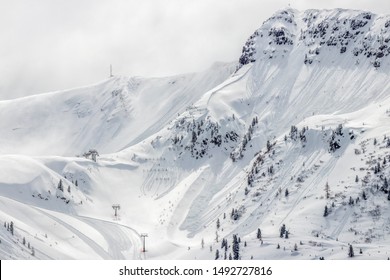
48, 45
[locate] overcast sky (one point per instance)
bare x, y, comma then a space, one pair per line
48, 45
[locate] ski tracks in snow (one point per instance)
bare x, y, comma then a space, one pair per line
120, 239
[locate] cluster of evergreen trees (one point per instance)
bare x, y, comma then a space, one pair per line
238, 152
200, 135
334, 141
236, 213
284, 232
11, 228
234, 254
295, 134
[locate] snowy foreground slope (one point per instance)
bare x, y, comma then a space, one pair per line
294, 134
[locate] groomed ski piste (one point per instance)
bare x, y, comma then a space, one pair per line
295, 133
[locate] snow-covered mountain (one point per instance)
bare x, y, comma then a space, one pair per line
293, 134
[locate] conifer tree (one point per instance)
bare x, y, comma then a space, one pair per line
350, 251
327, 190
258, 233
282, 230
269, 146
326, 211
60, 186
217, 254
236, 248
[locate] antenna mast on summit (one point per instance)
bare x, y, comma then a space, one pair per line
111, 71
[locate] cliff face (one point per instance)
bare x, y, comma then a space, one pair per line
361, 35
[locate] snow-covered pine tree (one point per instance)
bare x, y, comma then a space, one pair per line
236, 248
217, 254
350, 251
327, 190
258, 234
60, 186
282, 230
11, 227
326, 211
269, 146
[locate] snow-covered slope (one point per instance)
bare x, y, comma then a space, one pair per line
108, 116
296, 136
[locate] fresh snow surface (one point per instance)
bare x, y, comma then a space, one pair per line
198, 158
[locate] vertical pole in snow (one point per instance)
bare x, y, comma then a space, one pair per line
111, 71
116, 207
143, 236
